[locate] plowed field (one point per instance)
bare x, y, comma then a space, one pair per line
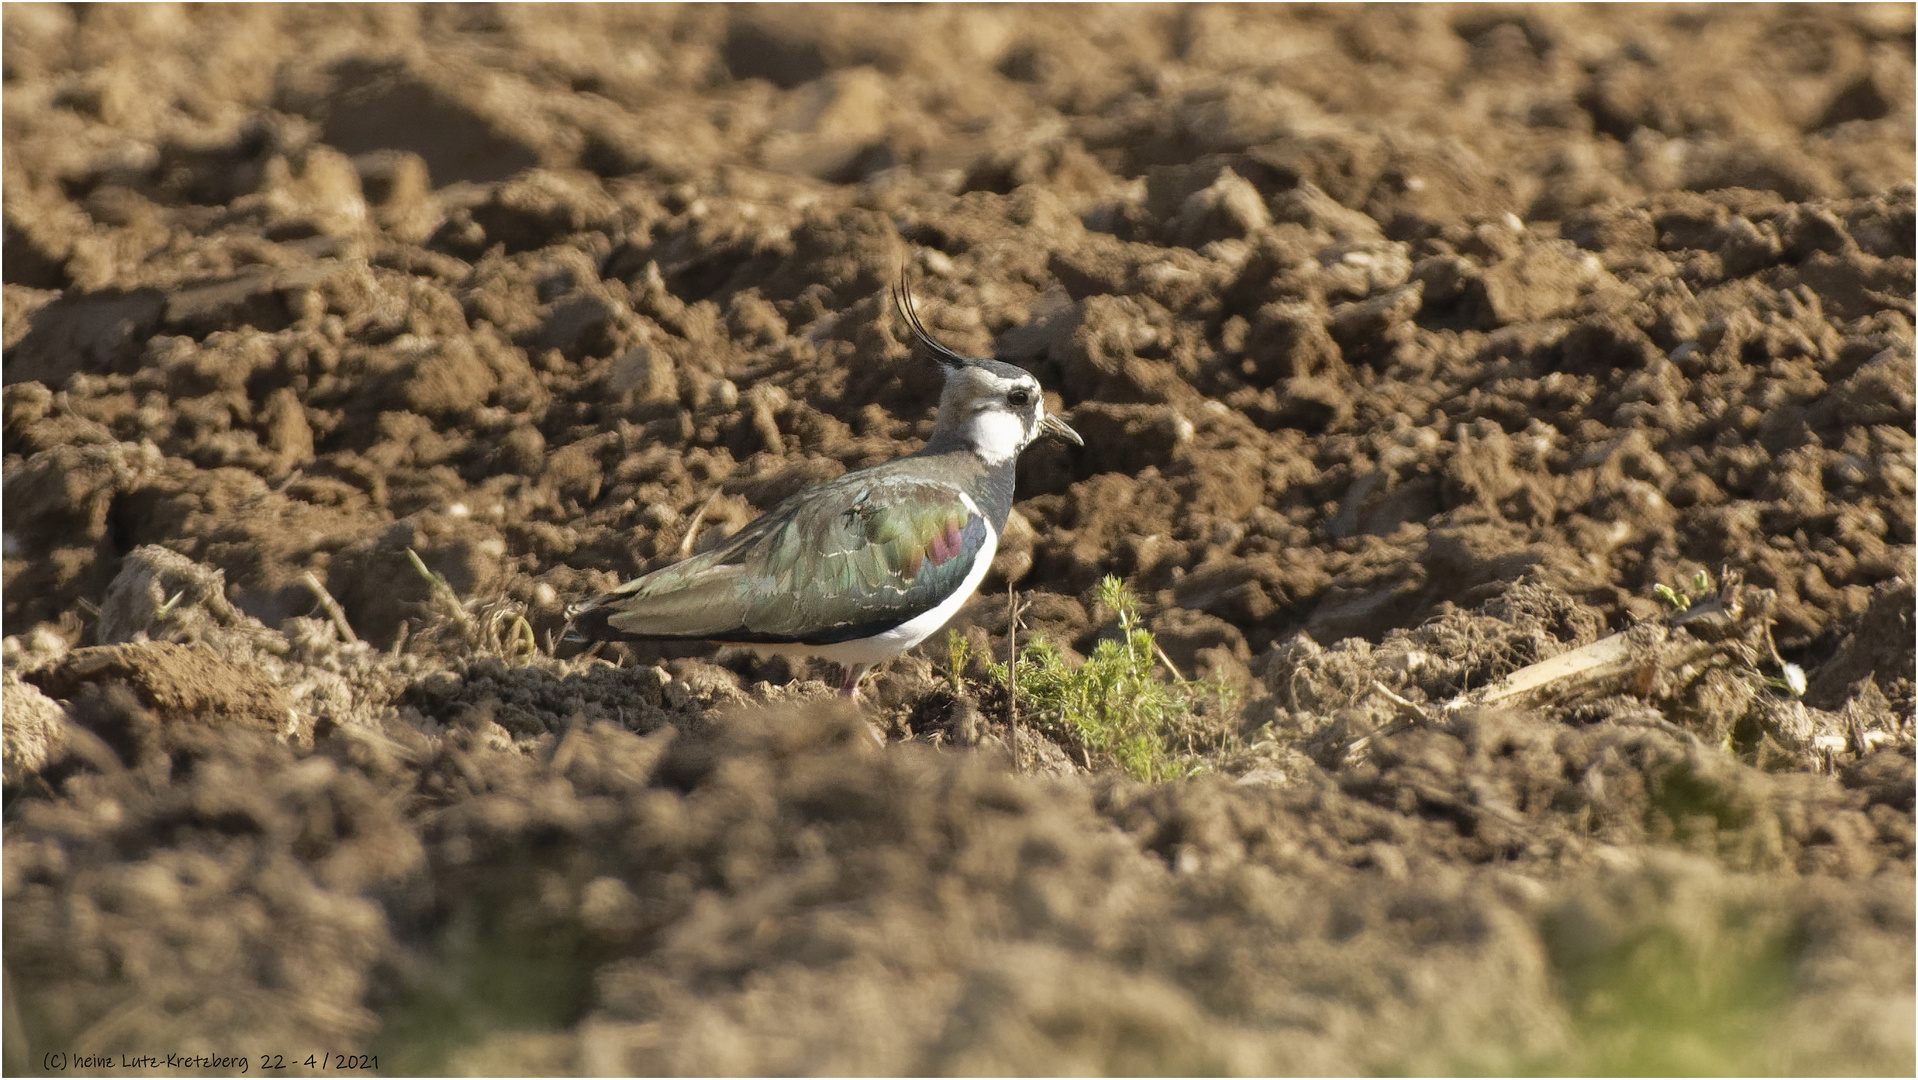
1411, 346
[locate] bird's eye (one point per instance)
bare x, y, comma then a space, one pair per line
1019, 398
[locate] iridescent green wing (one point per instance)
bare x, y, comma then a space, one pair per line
842, 561
867, 558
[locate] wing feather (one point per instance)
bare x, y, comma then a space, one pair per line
845, 560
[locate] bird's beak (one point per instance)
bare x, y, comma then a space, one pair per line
1053, 425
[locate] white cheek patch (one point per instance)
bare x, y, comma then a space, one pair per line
997, 436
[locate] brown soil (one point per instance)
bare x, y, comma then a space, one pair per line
1410, 346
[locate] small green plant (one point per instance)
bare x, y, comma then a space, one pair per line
166, 609
1701, 586
1116, 705
958, 653
1678, 600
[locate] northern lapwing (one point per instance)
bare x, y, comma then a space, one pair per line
860, 568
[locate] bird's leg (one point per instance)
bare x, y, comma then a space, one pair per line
849, 682
849, 689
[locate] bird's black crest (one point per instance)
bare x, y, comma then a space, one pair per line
902, 299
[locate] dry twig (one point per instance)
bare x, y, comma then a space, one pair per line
1409, 708
332, 608
1167, 661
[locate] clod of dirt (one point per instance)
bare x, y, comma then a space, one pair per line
35, 729
136, 696
244, 853
162, 595
1877, 648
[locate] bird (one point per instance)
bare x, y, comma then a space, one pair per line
860, 568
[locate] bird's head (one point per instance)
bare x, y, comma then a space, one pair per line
991, 408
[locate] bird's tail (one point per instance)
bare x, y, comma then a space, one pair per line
586, 621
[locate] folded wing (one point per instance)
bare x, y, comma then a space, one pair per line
840, 562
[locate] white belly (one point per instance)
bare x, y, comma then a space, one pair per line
883, 647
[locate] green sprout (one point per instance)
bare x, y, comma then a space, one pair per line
1678, 600
1697, 589
442, 592
166, 609
958, 652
